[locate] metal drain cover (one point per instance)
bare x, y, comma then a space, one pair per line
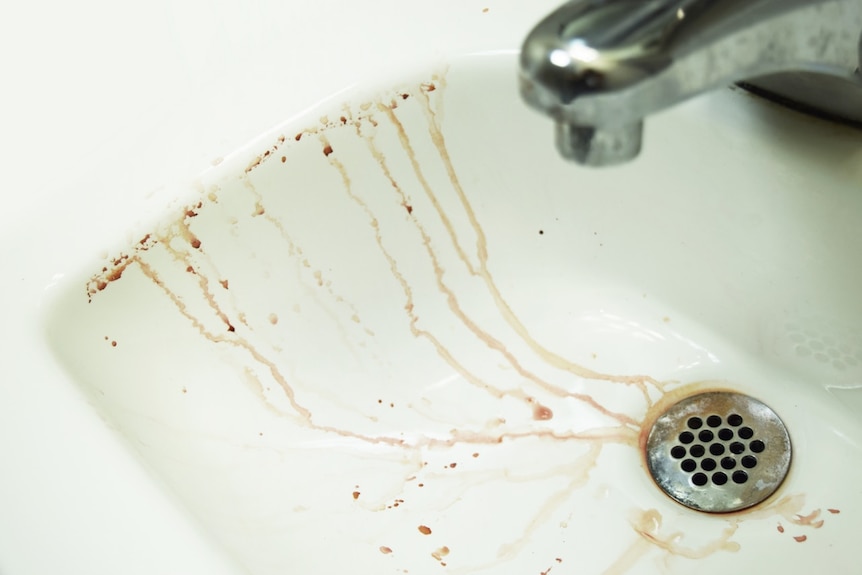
718, 452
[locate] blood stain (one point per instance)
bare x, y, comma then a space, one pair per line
327, 150
801, 538
424, 530
385, 550
355, 495
542, 413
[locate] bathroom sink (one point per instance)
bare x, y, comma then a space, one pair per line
398, 334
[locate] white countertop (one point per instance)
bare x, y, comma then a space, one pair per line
108, 108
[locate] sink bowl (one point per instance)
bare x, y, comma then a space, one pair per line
399, 335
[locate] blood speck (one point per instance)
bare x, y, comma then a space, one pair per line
484, 10
196, 243
185, 390
558, 560
343, 120
440, 553
380, 401
801, 538
409, 208
231, 328
405, 96
430, 87
224, 283
424, 530
190, 269
327, 150
780, 528
145, 239
101, 285
298, 137
113, 344
834, 511
355, 495
475, 455
453, 465
421, 485
273, 319
391, 405
191, 214
283, 159
542, 413
385, 550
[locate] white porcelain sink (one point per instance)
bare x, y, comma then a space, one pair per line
400, 335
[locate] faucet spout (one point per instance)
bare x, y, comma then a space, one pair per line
599, 67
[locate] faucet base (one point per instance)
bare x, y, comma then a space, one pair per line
828, 97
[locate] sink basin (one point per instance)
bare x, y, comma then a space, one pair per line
399, 335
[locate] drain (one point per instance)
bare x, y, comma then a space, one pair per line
718, 452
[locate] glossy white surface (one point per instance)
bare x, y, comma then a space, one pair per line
105, 105
738, 225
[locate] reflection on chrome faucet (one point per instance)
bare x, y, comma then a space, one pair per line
599, 67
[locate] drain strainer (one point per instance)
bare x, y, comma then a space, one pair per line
718, 452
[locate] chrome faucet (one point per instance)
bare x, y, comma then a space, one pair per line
599, 67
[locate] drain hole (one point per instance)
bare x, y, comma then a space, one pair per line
749, 462
678, 452
689, 465
697, 450
713, 421
746, 433
725, 434
706, 436
708, 464
700, 479
716, 449
686, 437
739, 477
728, 463
734, 419
738, 447
757, 446
719, 478
695, 423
